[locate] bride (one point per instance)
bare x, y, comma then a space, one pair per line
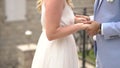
56, 47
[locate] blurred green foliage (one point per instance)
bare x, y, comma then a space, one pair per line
90, 56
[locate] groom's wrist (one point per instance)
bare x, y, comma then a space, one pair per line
99, 30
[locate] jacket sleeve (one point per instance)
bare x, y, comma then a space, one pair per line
111, 30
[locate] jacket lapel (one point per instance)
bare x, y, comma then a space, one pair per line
100, 2
97, 5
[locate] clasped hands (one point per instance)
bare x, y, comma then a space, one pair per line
91, 27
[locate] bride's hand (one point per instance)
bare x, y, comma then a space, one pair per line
83, 26
81, 19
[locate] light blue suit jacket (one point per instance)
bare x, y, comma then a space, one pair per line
108, 43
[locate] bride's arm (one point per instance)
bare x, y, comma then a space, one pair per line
53, 14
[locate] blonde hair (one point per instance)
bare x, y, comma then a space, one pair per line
39, 4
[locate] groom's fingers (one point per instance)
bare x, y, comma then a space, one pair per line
93, 28
91, 31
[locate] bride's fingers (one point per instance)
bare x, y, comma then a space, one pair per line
87, 22
80, 20
82, 16
78, 15
85, 26
84, 22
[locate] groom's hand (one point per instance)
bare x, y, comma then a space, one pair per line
93, 28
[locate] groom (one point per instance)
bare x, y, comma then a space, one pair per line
106, 27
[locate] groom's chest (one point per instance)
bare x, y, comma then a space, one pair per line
107, 11
107, 6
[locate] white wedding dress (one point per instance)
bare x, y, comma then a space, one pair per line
59, 53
